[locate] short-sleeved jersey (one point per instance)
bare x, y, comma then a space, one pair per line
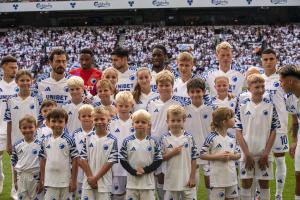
99, 151
6, 90
43, 131
218, 103
17, 108
158, 110
140, 153
256, 121
54, 90
79, 137
178, 168
89, 76
272, 85
236, 81
180, 91
198, 122
144, 99
25, 156
97, 102
120, 129
72, 110
126, 80
58, 153
222, 174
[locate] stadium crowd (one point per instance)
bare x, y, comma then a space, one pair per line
31, 46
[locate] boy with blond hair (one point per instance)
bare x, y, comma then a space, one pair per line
185, 63
180, 154
252, 114
121, 127
86, 121
140, 155
98, 155
76, 90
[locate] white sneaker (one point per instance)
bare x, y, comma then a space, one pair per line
1, 185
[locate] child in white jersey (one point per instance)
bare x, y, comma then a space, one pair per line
256, 121
180, 154
59, 158
121, 127
18, 105
44, 129
99, 153
185, 63
223, 98
86, 121
158, 107
140, 155
221, 150
142, 91
25, 160
199, 111
76, 89
104, 96
111, 74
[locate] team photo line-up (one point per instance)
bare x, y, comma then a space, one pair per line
147, 133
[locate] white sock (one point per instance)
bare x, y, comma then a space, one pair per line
1, 169
160, 191
208, 193
297, 197
246, 194
265, 194
280, 174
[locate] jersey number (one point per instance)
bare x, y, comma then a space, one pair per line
284, 139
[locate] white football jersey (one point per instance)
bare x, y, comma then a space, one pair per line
120, 129
79, 137
144, 99
236, 81
250, 118
126, 80
140, 153
58, 153
25, 156
272, 85
218, 103
198, 122
180, 90
99, 151
51, 89
158, 110
72, 110
6, 91
43, 131
178, 168
222, 174
17, 108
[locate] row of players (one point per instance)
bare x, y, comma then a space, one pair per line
184, 64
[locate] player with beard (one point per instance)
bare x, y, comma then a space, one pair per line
53, 86
126, 76
87, 72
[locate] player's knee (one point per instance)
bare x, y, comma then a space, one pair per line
264, 184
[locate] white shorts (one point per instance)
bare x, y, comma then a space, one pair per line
281, 144
94, 195
27, 184
220, 193
205, 169
133, 194
119, 184
190, 194
297, 158
256, 172
57, 193
3, 142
